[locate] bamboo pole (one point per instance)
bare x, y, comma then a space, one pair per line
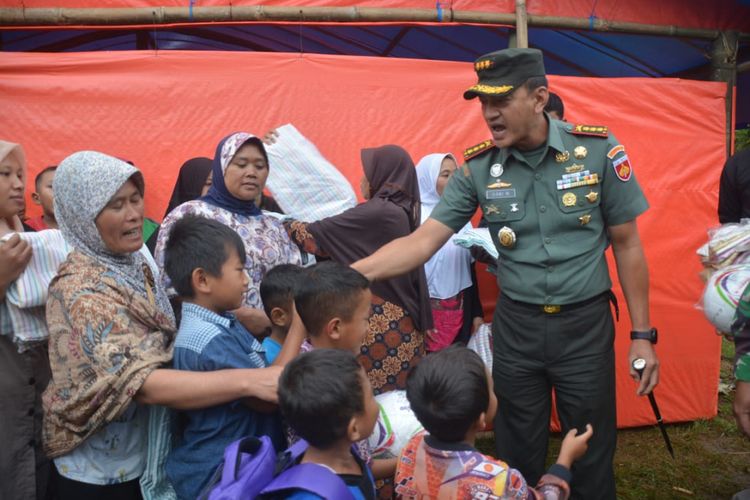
93, 17
724, 69
522, 25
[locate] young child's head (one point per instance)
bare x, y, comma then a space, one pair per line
451, 393
43, 191
277, 291
205, 260
325, 396
333, 301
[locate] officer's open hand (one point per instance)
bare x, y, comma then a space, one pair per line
645, 350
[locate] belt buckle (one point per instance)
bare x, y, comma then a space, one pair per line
550, 309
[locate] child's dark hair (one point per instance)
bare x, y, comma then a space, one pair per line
279, 286
555, 103
197, 242
328, 290
38, 178
448, 390
319, 392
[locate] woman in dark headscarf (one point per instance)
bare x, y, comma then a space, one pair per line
193, 182
239, 169
400, 306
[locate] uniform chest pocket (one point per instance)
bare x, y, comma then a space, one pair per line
580, 198
499, 211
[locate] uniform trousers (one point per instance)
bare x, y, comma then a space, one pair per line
572, 352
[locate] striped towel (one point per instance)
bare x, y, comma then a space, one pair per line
26, 297
481, 343
304, 184
479, 236
154, 482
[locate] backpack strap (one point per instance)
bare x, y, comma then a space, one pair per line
312, 478
260, 449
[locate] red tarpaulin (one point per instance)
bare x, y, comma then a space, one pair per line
159, 109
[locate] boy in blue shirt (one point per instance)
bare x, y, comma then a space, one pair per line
326, 397
277, 293
205, 261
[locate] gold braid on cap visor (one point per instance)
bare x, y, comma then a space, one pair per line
490, 89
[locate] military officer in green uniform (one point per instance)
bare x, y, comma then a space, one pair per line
555, 195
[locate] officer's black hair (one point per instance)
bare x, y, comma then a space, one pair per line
535, 82
319, 393
38, 178
279, 286
448, 390
197, 242
328, 290
555, 103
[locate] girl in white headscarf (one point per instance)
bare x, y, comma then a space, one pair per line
449, 273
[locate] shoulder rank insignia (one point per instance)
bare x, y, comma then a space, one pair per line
593, 130
473, 151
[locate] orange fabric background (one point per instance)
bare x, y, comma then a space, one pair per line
716, 14
159, 109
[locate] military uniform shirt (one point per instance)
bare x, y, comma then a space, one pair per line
559, 211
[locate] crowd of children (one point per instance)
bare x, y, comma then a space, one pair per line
325, 397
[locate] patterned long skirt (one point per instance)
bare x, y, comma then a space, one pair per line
391, 348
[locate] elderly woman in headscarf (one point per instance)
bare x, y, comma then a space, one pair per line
23, 376
450, 276
193, 181
400, 306
240, 169
111, 332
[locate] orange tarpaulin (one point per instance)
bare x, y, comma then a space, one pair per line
158, 109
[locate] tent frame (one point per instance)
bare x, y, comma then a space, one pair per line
724, 64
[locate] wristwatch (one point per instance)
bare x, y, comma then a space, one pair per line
650, 335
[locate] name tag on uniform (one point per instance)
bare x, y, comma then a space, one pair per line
496, 194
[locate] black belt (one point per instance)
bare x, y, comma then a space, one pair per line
556, 309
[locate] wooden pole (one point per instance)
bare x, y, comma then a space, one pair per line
724, 69
11, 16
522, 25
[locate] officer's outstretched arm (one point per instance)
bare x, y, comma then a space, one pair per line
632, 270
404, 254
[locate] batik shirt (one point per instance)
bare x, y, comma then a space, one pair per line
429, 468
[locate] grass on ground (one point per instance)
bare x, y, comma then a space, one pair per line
713, 458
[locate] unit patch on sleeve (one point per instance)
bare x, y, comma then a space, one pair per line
622, 167
615, 150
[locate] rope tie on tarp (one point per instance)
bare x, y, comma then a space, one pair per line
592, 16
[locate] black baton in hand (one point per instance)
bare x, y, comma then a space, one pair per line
639, 365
